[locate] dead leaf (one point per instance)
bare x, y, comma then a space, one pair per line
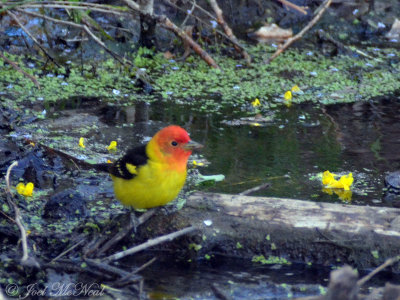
271, 33
394, 32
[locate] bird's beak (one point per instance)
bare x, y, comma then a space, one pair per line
192, 145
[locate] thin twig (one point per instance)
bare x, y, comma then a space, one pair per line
112, 53
168, 24
32, 37
150, 243
204, 22
16, 67
132, 5
69, 265
291, 40
294, 6
101, 10
387, 263
106, 267
17, 218
131, 276
66, 251
59, 21
228, 31
188, 14
255, 189
120, 235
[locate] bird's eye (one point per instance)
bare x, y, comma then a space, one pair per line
174, 143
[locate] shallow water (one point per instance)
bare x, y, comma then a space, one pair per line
362, 138
289, 151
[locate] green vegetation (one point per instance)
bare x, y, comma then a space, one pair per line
270, 260
321, 79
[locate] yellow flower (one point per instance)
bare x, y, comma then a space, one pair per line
109, 161
195, 163
256, 103
255, 124
288, 96
81, 142
32, 144
328, 178
346, 181
25, 190
113, 146
295, 89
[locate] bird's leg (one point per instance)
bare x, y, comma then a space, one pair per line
134, 220
168, 209
137, 221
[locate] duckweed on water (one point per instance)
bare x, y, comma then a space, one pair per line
344, 78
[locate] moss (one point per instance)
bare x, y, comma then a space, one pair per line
344, 78
270, 260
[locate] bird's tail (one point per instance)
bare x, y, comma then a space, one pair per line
103, 167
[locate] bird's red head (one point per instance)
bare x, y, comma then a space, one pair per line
174, 145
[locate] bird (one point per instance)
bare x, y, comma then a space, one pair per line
149, 175
153, 174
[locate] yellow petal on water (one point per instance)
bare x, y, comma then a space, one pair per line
20, 188
328, 178
346, 181
81, 142
195, 163
295, 89
25, 190
29, 189
288, 96
256, 102
335, 184
112, 146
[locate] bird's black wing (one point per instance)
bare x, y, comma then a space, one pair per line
126, 166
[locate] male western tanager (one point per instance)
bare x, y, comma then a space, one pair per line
153, 174
150, 175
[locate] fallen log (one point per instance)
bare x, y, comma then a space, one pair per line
300, 231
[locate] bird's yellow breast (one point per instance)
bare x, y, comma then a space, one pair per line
155, 184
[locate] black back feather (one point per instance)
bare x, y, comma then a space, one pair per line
135, 156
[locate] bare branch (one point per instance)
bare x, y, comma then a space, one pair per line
18, 218
387, 263
120, 235
228, 31
150, 243
255, 189
294, 6
166, 23
98, 41
16, 67
132, 5
291, 40
32, 37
